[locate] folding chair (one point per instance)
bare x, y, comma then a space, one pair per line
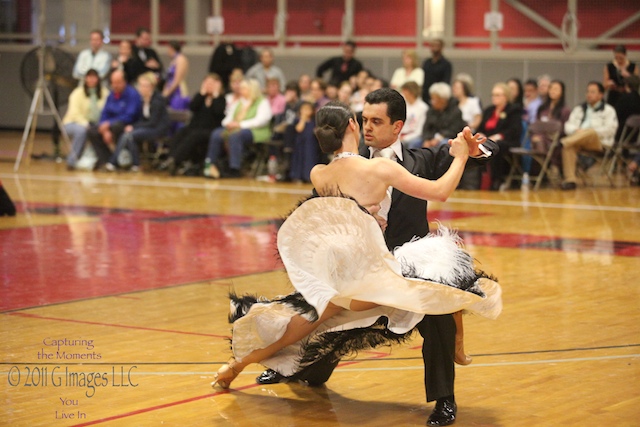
626, 147
552, 130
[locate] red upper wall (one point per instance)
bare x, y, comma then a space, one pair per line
381, 18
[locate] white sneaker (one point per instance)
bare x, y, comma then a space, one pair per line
135, 169
110, 167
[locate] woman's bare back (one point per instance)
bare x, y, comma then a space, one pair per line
355, 177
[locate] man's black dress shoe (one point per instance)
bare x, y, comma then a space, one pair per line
269, 377
444, 414
569, 186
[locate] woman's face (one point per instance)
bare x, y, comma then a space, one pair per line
244, 90
304, 82
555, 91
91, 80
316, 91
124, 48
620, 58
513, 88
407, 61
498, 98
145, 88
457, 89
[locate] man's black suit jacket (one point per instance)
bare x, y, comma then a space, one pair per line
408, 215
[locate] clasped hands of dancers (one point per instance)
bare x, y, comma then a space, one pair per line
338, 132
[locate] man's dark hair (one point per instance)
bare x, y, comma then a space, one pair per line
620, 49
600, 87
396, 105
293, 85
141, 30
531, 82
99, 32
351, 43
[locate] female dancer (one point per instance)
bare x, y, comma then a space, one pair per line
341, 289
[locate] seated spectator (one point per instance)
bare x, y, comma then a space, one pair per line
468, 104
543, 86
93, 58
410, 71
124, 61
444, 119
532, 101
553, 108
615, 73
591, 127
304, 83
235, 78
411, 134
277, 101
189, 144
332, 92
318, 96
344, 93
502, 123
360, 90
85, 106
516, 98
249, 123
628, 103
175, 87
265, 70
283, 126
153, 123
121, 109
341, 68
292, 107
306, 150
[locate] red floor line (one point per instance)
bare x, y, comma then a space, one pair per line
155, 408
86, 322
193, 399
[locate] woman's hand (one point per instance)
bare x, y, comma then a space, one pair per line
373, 210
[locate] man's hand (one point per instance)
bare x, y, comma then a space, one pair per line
473, 141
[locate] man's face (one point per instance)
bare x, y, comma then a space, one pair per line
118, 82
378, 130
144, 40
347, 52
436, 47
593, 95
266, 58
95, 41
530, 91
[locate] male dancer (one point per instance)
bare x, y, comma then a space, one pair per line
383, 118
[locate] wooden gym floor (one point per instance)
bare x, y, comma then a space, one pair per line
114, 306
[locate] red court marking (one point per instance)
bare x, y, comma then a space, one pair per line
124, 251
155, 408
86, 322
193, 399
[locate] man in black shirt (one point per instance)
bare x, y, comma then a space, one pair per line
436, 69
342, 67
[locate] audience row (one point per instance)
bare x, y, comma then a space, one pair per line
259, 106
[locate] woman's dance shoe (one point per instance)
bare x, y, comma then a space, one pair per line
225, 375
461, 358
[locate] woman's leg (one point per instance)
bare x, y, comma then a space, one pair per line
237, 142
297, 329
461, 358
213, 151
78, 134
